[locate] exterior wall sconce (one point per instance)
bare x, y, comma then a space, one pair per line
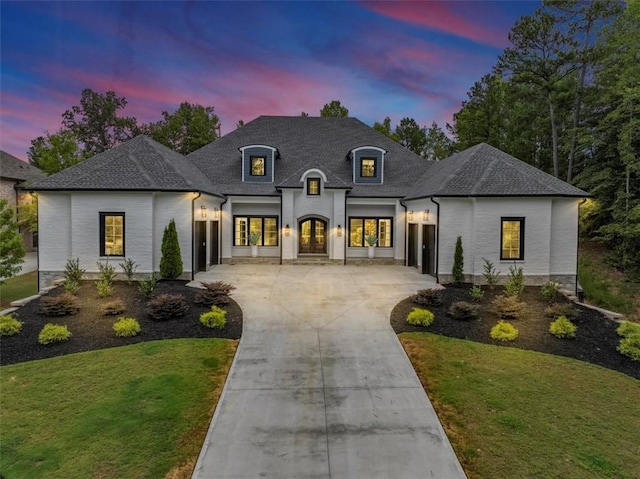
339, 230
425, 215
287, 231
216, 213
410, 215
203, 211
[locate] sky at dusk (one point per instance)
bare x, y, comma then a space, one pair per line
398, 59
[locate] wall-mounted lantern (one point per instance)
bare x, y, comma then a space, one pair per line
287, 230
203, 211
425, 215
216, 213
339, 230
410, 215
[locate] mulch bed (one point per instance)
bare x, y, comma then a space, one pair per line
91, 329
595, 342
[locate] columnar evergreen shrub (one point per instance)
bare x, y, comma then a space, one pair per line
107, 272
53, 333
420, 317
515, 282
126, 327
490, 274
563, 328
214, 319
129, 268
72, 270
504, 331
9, 325
458, 263
171, 259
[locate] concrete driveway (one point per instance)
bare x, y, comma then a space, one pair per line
320, 386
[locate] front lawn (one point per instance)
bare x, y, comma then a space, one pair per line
512, 413
134, 411
18, 287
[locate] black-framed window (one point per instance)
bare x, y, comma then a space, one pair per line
111, 234
511, 238
368, 167
313, 186
360, 228
264, 226
258, 165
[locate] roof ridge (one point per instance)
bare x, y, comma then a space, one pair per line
140, 169
154, 144
519, 165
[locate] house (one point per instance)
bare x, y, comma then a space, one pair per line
14, 175
310, 190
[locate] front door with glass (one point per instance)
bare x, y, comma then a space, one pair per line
313, 236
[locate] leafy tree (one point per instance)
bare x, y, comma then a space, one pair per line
334, 109
385, 128
458, 263
96, 124
239, 124
171, 259
304, 114
438, 145
187, 129
11, 247
55, 152
411, 135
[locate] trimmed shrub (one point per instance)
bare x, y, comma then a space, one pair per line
113, 308
171, 259
107, 272
420, 317
490, 274
126, 327
53, 333
463, 311
507, 307
9, 325
427, 297
515, 282
504, 331
129, 268
556, 310
458, 263
72, 270
167, 306
550, 290
214, 319
104, 288
563, 328
630, 346
476, 293
214, 294
62, 305
627, 329
147, 286
71, 287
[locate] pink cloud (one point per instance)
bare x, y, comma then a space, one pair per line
441, 16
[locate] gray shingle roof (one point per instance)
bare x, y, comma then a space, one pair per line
483, 170
15, 169
138, 164
303, 143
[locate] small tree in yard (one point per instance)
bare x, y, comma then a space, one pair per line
171, 260
11, 248
458, 263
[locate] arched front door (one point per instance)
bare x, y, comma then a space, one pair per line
313, 238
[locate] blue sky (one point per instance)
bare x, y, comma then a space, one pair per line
397, 59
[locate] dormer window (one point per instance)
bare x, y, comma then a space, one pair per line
368, 167
258, 165
313, 186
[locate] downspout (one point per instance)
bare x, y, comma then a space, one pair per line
437, 235
220, 231
346, 221
280, 229
34, 197
584, 200
406, 237
193, 236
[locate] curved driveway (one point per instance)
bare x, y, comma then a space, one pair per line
320, 386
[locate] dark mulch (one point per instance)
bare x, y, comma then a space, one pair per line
596, 339
91, 329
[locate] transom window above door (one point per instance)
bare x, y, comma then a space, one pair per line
258, 165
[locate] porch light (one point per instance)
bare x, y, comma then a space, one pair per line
425, 215
287, 230
216, 213
339, 230
410, 215
203, 211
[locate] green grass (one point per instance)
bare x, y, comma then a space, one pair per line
600, 290
18, 287
135, 411
511, 413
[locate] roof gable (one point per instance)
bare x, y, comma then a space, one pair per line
15, 169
